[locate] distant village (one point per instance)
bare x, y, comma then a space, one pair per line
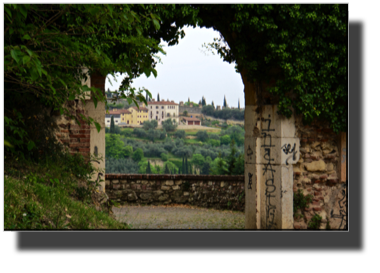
182, 113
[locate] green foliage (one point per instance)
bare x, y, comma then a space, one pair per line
225, 113
198, 160
164, 157
315, 222
236, 133
148, 170
219, 166
202, 136
169, 125
180, 134
214, 143
300, 201
121, 165
231, 159
303, 47
225, 140
138, 154
47, 46
185, 113
147, 125
115, 147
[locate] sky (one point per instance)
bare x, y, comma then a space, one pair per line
189, 70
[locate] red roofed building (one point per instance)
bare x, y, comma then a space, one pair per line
162, 110
191, 121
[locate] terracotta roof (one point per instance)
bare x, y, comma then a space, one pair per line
162, 103
118, 112
191, 119
141, 108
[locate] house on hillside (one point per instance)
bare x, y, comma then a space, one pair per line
163, 110
116, 119
191, 121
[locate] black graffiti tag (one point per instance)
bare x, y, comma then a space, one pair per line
342, 211
287, 149
250, 181
269, 172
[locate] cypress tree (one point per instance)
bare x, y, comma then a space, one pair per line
158, 97
204, 101
239, 104
225, 102
213, 104
188, 100
183, 165
112, 128
148, 170
167, 169
186, 166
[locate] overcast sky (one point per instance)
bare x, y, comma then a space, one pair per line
188, 70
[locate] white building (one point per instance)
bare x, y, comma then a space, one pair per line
162, 110
116, 119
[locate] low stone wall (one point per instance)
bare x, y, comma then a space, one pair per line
210, 191
190, 110
317, 173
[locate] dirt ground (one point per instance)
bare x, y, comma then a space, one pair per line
178, 217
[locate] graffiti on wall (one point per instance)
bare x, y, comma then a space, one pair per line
270, 188
250, 181
342, 214
288, 150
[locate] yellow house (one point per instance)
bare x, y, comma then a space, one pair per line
138, 116
129, 116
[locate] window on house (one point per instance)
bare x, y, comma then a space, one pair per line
156, 118
162, 107
156, 107
162, 114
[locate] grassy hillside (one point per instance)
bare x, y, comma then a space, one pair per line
54, 195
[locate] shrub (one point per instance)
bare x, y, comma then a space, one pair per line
180, 134
164, 157
138, 155
202, 135
169, 125
225, 140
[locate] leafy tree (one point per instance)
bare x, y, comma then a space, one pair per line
202, 136
307, 64
198, 160
164, 157
239, 165
121, 165
214, 142
169, 125
138, 154
225, 140
185, 113
180, 134
219, 166
150, 124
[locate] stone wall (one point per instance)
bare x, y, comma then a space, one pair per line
195, 110
317, 173
217, 191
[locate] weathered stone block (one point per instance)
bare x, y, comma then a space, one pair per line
115, 181
176, 187
169, 183
145, 196
163, 197
316, 166
165, 188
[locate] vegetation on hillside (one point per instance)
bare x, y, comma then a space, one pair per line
208, 153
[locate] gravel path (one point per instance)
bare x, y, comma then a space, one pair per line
178, 217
